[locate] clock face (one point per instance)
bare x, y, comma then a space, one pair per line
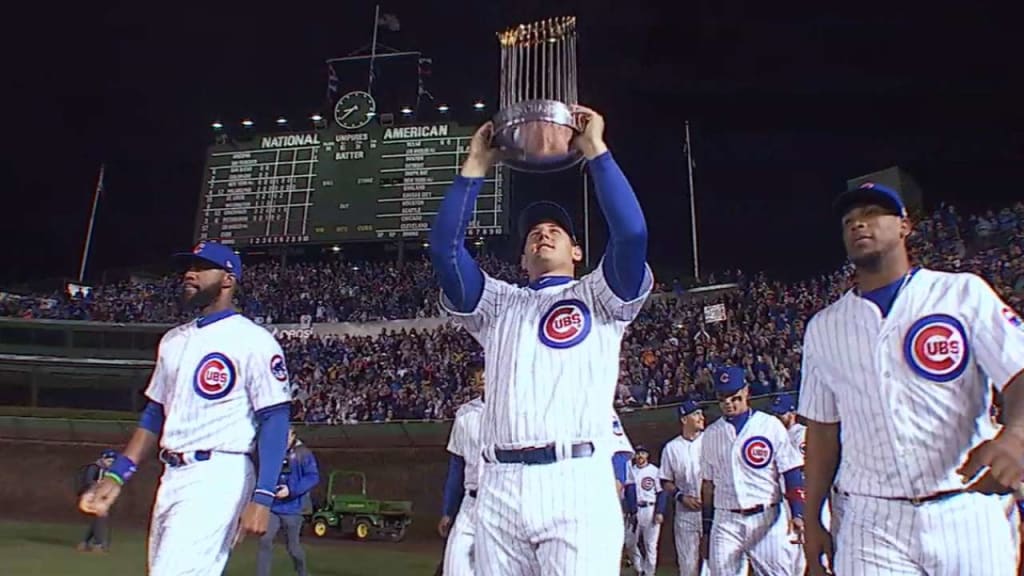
354, 110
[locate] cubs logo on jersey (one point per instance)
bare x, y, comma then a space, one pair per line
215, 376
1012, 318
647, 483
565, 324
278, 369
936, 348
757, 452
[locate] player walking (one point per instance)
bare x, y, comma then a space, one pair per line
642, 497
219, 386
784, 408
903, 363
744, 458
681, 481
547, 498
460, 487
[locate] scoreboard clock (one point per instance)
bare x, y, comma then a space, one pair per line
355, 110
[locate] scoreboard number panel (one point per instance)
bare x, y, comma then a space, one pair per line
341, 185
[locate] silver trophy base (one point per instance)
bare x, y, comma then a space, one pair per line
541, 132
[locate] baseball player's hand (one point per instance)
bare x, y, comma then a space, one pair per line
1004, 457
282, 492
254, 520
659, 518
98, 499
482, 154
818, 545
444, 525
590, 140
691, 503
796, 528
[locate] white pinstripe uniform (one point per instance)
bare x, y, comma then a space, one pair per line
680, 464
553, 364
746, 470
912, 393
465, 442
647, 532
211, 380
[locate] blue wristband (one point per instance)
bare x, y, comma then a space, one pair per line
122, 469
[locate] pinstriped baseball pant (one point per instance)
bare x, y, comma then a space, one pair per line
964, 535
458, 551
760, 540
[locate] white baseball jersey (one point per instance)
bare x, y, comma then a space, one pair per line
211, 380
553, 358
680, 464
746, 468
465, 440
798, 436
911, 389
621, 440
646, 480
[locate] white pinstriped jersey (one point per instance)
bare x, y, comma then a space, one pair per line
680, 464
211, 382
553, 358
647, 482
621, 440
464, 440
747, 468
798, 436
912, 389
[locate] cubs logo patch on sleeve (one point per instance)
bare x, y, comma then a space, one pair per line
936, 349
565, 324
278, 369
757, 452
215, 376
1012, 318
616, 426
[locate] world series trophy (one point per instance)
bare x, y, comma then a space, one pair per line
538, 88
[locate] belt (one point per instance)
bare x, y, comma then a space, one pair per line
753, 511
645, 504
543, 455
918, 500
472, 493
176, 459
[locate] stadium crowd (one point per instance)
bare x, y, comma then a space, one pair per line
668, 354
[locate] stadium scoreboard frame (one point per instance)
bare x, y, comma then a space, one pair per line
377, 183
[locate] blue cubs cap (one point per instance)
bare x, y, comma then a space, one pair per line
640, 448
108, 454
729, 380
544, 211
219, 255
688, 407
870, 193
783, 405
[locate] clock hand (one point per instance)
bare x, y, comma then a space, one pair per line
350, 111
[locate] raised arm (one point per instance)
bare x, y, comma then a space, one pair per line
625, 260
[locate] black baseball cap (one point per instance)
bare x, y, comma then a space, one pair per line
544, 211
870, 193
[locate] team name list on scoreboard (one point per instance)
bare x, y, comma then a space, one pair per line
376, 184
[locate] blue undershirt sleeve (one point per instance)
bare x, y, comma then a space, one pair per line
631, 506
625, 261
271, 444
453, 486
152, 418
795, 491
619, 462
460, 277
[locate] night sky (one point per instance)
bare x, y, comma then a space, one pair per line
786, 102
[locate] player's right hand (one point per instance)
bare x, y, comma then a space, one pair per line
818, 549
691, 503
444, 525
482, 153
98, 499
255, 519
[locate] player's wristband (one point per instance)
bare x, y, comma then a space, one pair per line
122, 469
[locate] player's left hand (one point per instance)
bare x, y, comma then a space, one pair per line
254, 520
659, 518
796, 528
282, 492
1004, 456
590, 140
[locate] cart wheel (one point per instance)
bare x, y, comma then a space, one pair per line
320, 527
363, 530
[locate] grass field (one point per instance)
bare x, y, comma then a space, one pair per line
37, 549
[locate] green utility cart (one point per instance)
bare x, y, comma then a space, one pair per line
353, 514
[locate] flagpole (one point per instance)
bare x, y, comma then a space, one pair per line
92, 220
693, 205
373, 47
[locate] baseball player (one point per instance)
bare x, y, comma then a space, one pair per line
745, 456
621, 461
643, 489
547, 498
460, 489
219, 388
681, 481
903, 362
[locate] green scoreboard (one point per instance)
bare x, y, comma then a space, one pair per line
339, 185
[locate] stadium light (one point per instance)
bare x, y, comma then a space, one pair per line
217, 126
335, 248
316, 117
442, 108
479, 105
426, 244
282, 121
247, 123
406, 110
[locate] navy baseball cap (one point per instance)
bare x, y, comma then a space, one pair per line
688, 407
870, 193
640, 448
219, 255
544, 211
783, 405
108, 454
729, 380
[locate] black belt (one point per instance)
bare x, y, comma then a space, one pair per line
472, 493
543, 455
917, 501
645, 504
752, 511
175, 459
